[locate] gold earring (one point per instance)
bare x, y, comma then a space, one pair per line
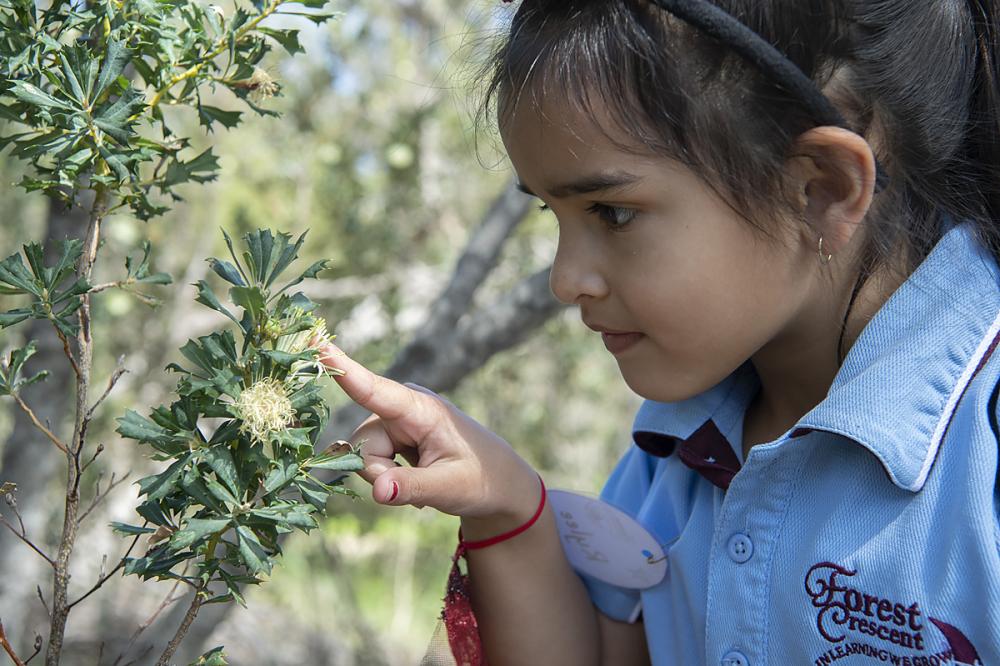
823, 257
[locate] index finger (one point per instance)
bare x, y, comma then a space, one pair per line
377, 394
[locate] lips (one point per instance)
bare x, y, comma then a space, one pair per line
616, 341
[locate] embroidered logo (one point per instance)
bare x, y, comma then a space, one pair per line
902, 633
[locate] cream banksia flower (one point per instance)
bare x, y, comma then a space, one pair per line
315, 339
264, 408
262, 86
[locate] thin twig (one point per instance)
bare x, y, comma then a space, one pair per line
97, 451
107, 285
38, 648
115, 376
167, 600
175, 642
38, 588
11, 501
25, 539
67, 351
99, 497
9, 648
38, 424
105, 577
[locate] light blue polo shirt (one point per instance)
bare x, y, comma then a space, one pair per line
867, 534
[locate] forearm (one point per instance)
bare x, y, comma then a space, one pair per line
530, 605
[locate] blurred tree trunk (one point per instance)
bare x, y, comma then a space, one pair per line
30, 460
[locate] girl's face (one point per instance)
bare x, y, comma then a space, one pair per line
683, 290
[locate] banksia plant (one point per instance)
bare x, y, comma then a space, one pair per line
85, 89
241, 438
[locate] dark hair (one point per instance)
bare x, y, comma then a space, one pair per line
917, 78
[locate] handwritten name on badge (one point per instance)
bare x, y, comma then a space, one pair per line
605, 543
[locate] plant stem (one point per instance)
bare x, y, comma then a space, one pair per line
38, 424
218, 50
9, 648
60, 582
183, 629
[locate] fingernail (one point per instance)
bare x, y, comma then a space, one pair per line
377, 468
395, 491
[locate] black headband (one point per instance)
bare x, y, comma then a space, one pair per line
717, 23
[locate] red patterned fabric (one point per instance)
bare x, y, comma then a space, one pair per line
459, 619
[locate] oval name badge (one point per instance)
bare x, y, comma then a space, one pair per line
606, 543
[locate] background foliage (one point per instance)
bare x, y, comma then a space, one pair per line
377, 157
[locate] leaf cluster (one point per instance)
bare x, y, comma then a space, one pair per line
84, 86
229, 492
54, 292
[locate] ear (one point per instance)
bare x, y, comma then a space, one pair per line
834, 173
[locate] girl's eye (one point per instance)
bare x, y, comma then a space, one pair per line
615, 218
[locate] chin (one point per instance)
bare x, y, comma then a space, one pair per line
667, 385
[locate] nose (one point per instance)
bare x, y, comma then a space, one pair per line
576, 271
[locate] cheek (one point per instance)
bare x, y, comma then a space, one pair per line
707, 310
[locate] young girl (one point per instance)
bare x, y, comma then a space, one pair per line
782, 218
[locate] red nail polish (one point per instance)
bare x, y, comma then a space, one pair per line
395, 491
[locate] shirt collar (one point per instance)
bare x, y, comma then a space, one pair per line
900, 383
902, 380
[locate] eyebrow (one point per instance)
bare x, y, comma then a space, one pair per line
599, 182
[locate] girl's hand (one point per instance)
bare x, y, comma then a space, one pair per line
457, 465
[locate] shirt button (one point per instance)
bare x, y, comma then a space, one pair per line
735, 658
740, 548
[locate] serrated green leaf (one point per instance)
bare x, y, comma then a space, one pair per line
289, 39
208, 115
156, 563
70, 252
12, 317
283, 473
295, 515
288, 254
72, 80
251, 299
196, 529
318, 19
16, 274
201, 169
221, 461
252, 552
220, 492
130, 530
141, 273
158, 486
135, 426
32, 94
284, 359
349, 462
313, 493
194, 485
213, 657
115, 59
207, 297
152, 512
309, 273
226, 433
227, 272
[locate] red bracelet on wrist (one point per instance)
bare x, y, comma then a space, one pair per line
483, 543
